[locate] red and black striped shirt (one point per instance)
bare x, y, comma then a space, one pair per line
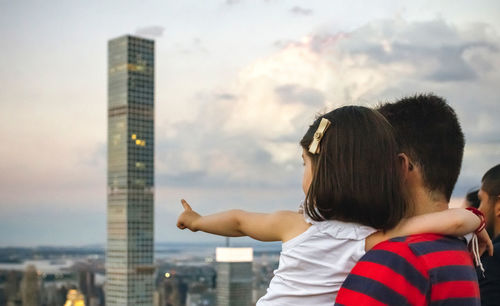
424, 269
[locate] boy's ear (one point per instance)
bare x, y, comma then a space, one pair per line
405, 163
496, 207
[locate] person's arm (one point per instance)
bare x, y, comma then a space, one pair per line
452, 222
278, 226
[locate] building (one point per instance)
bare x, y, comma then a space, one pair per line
86, 284
129, 254
30, 287
234, 276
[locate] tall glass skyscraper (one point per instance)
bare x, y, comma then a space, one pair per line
129, 255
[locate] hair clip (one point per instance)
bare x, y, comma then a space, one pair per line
323, 126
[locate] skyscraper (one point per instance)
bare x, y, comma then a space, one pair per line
234, 276
129, 256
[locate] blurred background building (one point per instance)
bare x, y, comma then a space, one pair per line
30, 288
47, 282
129, 258
234, 276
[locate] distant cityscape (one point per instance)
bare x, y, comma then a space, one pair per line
185, 274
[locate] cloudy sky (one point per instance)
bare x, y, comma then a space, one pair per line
237, 83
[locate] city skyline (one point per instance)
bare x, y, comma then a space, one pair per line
238, 82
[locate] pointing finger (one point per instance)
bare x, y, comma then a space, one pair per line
185, 205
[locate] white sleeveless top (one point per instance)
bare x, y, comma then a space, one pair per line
314, 264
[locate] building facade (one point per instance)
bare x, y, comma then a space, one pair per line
130, 219
234, 276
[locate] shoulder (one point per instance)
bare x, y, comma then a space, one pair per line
442, 258
398, 256
425, 243
451, 270
291, 223
287, 216
448, 264
390, 274
438, 251
411, 270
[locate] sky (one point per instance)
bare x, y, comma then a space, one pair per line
237, 84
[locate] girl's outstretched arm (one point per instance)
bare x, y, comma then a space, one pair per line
453, 222
278, 226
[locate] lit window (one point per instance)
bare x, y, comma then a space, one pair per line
134, 136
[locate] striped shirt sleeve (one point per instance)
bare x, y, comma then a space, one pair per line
422, 269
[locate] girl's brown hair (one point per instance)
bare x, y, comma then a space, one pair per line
356, 175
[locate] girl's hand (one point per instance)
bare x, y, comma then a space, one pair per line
484, 242
188, 217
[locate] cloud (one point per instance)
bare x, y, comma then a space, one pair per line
246, 132
150, 31
200, 154
232, 2
437, 48
224, 96
291, 93
299, 11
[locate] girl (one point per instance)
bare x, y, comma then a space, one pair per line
353, 188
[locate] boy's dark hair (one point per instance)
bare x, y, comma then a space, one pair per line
472, 198
428, 131
491, 182
356, 177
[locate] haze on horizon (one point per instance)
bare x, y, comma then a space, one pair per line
237, 84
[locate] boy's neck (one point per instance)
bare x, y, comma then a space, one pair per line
426, 201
